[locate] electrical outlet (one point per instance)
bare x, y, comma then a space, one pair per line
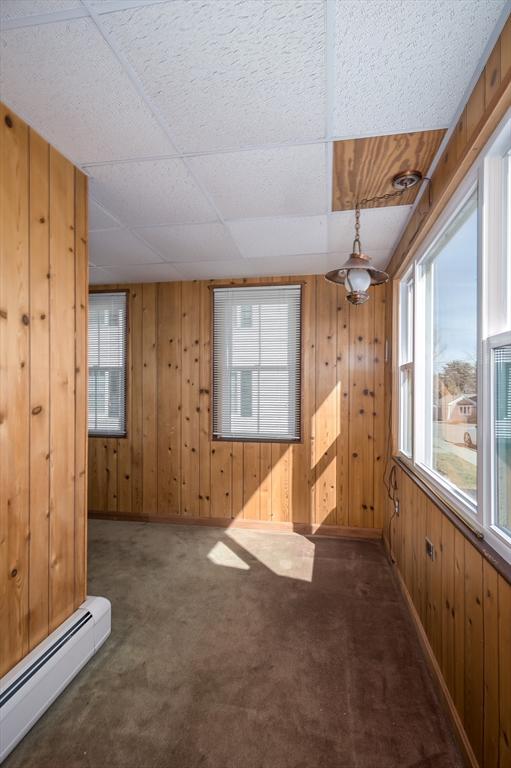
430, 549
396, 507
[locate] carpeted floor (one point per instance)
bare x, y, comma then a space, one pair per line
237, 649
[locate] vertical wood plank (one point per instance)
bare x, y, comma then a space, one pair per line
491, 665
474, 639
280, 491
251, 480
149, 400
38, 598
343, 385
124, 483
205, 401
504, 598
380, 427
136, 368
448, 657
302, 455
169, 397
62, 382
190, 469
81, 384
15, 391
492, 74
361, 415
459, 623
326, 418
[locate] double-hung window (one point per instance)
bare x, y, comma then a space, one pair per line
107, 364
455, 372
256, 363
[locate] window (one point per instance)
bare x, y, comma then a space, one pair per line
501, 365
256, 363
107, 363
406, 366
455, 375
449, 340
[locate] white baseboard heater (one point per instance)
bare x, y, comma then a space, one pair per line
27, 690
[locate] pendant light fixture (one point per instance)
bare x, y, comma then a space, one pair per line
357, 273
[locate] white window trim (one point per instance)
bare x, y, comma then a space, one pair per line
490, 214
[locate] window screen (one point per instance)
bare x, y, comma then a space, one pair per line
107, 363
256, 363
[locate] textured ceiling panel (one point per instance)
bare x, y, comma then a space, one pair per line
15, 9
144, 273
404, 66
97, 275
69, 85
379, 230
99, 218
230, 73
150, 192
267, 182
118, 247
290, 265
191, 242
259, 238
107, 6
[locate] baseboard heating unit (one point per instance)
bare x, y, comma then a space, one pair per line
28, 689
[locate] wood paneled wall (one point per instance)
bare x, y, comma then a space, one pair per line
168, 464
43, 367
487, 105
464, 606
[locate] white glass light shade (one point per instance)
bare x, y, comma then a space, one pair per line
357, 280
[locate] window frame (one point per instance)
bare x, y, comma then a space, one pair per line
125, 434
253, 284
490, 176
406, 366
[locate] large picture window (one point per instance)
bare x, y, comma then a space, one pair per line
256, 363
107, 363
454, 364
449, 275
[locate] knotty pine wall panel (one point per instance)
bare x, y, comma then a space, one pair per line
168, 465
43, 400
464, 605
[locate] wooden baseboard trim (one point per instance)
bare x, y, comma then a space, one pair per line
305, 529
445, 694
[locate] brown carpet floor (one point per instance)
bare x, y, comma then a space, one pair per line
240, 649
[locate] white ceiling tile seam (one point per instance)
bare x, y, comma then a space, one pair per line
132, 75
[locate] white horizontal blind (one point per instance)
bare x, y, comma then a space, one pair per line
107, 363
256, 362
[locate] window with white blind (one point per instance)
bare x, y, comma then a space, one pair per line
107, 363
256, 363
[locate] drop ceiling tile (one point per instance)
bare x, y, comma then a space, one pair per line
64, 79
143, 273
310, 264
107, 6
405, 66
379, 229
191, 242
227, 74
266, 182
100, 218
257, 238
14, 9
99, 276
118, 247
150, 192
